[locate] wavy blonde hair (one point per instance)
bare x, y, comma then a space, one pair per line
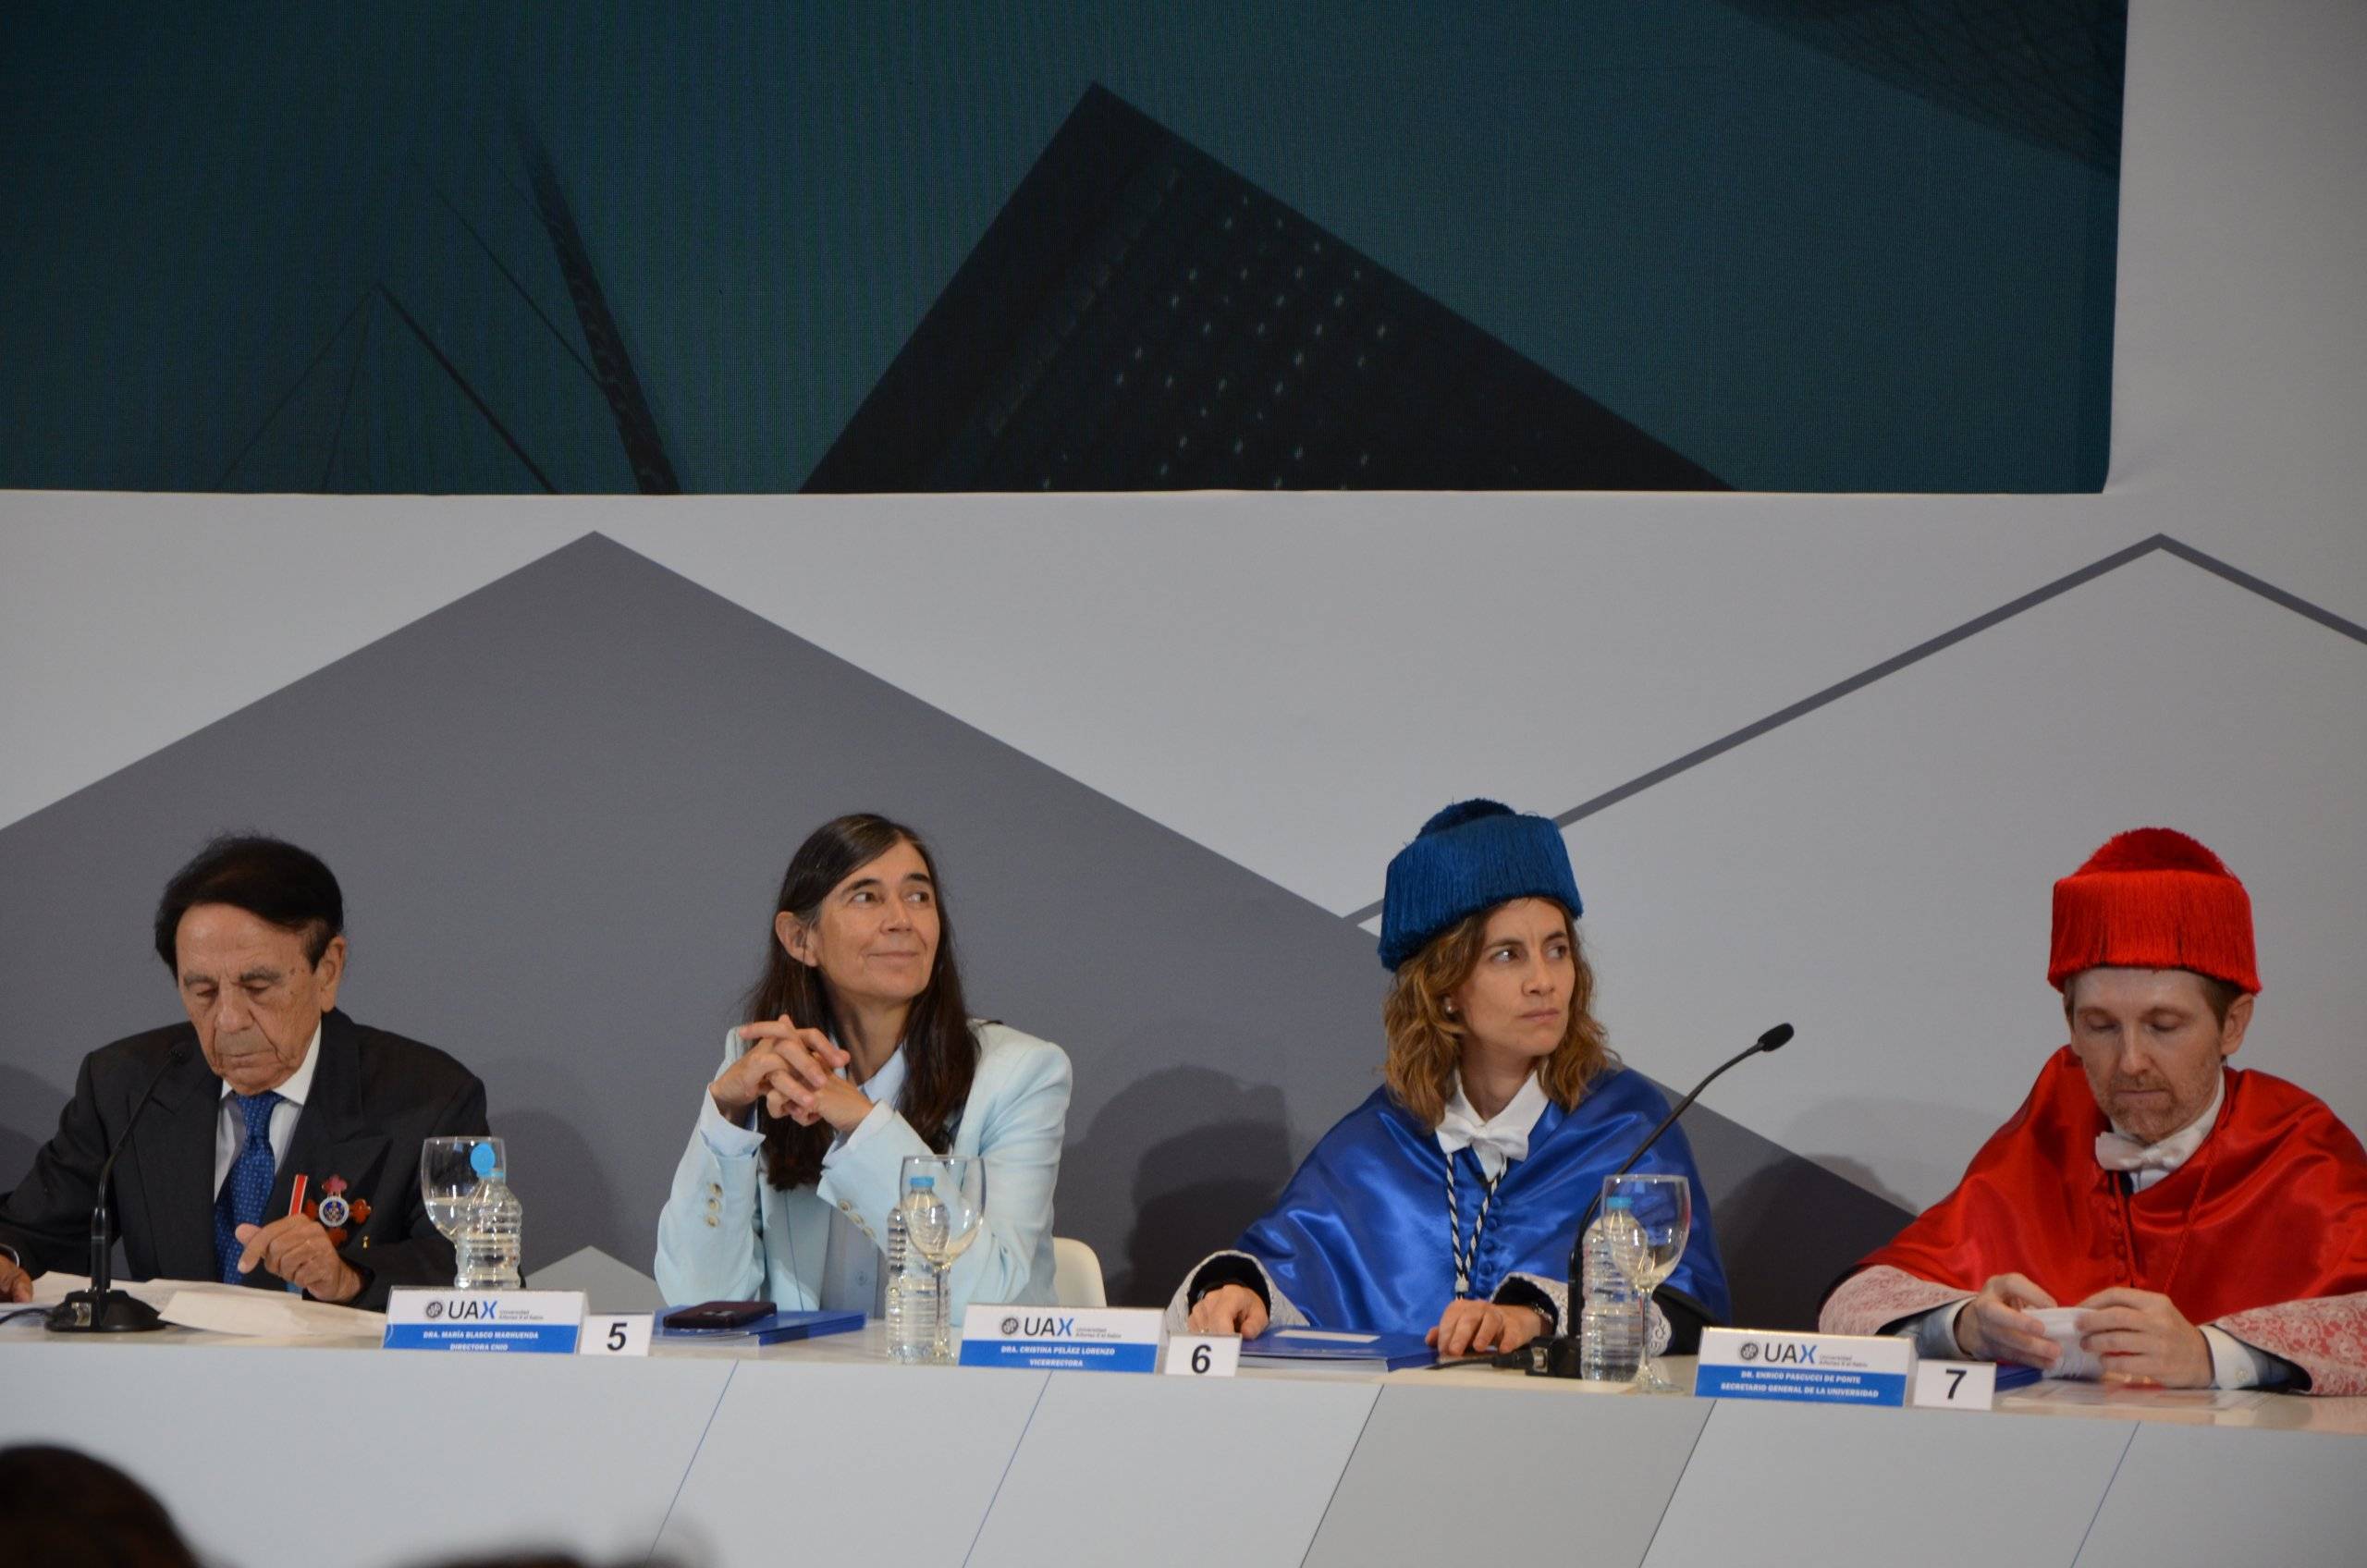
1425, 1041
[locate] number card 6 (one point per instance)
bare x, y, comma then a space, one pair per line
1202, 1355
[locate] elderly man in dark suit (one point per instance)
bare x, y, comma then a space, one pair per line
267, 1084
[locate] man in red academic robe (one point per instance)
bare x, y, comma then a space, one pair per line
2209, 1222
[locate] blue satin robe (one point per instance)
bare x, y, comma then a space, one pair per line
1360, 1238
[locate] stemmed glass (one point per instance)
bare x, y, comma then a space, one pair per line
1663, 1204
944, 1198
450, 1169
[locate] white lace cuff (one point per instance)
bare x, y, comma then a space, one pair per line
1280, 1311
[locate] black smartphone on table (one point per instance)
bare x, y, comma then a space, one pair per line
718, 1316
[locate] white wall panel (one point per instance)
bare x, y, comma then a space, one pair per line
1880, 872
2240, 356
1296, 682
128, 622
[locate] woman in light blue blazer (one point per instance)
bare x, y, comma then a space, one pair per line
862, 1053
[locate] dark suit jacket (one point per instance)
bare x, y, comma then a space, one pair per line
374, 1097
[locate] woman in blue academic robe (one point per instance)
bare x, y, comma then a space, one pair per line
1447, 1203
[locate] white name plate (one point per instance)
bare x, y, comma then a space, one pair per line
548, 1322
1202, 1355
1069, 1338
1826, 1369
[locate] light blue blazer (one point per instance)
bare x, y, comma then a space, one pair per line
728, 1234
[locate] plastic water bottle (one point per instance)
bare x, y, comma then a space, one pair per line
913, 1305
488, 1245
1611, 1323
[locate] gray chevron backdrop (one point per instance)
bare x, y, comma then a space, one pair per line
560, 807
560, 802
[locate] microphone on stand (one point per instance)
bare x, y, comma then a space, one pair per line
1557, 1356
102, 1309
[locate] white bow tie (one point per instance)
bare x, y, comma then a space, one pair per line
1496, 1146
2116, 1151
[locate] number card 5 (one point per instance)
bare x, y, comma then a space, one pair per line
624, 1335
1202, 1355
1956, 1385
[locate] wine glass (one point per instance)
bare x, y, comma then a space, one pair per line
450, 1169
1663, 1204
944, 1198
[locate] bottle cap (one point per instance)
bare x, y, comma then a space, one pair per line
923, 1184
1619, 1200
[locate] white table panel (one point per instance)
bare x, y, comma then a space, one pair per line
810, 1463
1090, 1469
1613, 1458
267, 1457
1154, 1471
2201, 1494
1773, 1484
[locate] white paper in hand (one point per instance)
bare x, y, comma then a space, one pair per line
2063, 1328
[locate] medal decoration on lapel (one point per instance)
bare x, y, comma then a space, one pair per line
335, 1211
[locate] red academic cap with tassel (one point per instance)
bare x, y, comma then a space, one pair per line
2153, 898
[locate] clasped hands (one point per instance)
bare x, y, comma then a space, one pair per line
1465, 1327
300, 1251
2142, 1338
794, 1072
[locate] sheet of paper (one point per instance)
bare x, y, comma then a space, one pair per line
233, 1309
228, 1309
53, 1287
2114, 1399
1331, 1336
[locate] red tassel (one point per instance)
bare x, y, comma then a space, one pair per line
2153, 898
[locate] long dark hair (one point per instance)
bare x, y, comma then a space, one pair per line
940, 1054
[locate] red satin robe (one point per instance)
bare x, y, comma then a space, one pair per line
2262, 1232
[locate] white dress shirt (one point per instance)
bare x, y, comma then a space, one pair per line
851, 1277
231, 1127
1501, 1138
2233, 1365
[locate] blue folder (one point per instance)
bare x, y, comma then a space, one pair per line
773, 1329
1338, 1350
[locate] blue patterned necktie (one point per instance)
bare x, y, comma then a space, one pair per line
248, 1187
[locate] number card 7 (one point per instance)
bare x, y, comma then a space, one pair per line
1956, 1385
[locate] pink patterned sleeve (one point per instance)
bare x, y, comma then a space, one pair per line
2326, 1338
1873, 1299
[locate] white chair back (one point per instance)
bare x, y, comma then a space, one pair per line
1077, 1274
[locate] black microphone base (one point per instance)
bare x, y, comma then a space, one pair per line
102, 1312
1556, 1356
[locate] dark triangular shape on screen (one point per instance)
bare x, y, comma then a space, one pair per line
1139, 317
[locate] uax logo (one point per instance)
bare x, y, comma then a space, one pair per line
1749, 1350
1047, 1328
435, 1310
1778, 1353
465, 1309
